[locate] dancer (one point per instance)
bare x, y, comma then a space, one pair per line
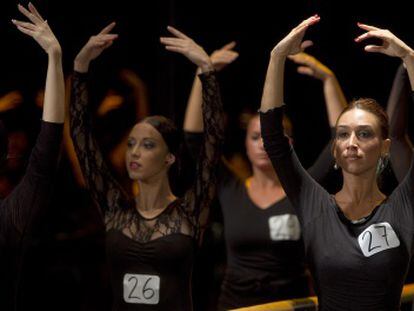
150, 238
19, 210
265, 258
358, 241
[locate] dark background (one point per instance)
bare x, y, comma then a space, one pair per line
256, 26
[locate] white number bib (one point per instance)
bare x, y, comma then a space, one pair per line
284, 227
141, 288
377, 238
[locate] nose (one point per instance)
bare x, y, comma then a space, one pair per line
352, 141
135, 151
261, 145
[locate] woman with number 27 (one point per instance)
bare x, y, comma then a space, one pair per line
358, 242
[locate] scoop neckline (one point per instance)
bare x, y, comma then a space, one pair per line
362, 220
158, 215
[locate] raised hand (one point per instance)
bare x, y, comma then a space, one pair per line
224, 56
391, 44
186, 46
292, 43
94, 47
310, 66
38, 29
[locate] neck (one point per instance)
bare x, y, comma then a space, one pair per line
359, 194
154, 194
265, 178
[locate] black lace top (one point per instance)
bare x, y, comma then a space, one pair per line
150, 257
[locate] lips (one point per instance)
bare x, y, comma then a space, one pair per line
352, 157
134, 165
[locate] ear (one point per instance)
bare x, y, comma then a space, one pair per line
386, 145
333, 149
170, 159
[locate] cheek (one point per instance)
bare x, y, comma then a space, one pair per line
250, 148
372, 150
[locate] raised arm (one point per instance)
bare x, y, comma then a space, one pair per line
335, 100
203, 191
397, 110
394, 47
33, 192
193, 121
391, 46
290, 45
38, 29
105, 190
298, 185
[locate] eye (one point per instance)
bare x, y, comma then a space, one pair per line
255, 136
342, 135
130, 143
148, 144
365, 134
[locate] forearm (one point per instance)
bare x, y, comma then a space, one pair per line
273, 88
334, 99
397, 106
193, 121
409, 64
54, 101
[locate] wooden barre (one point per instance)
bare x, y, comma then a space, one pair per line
310, 303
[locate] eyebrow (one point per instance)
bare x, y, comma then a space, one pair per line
358, 127
144, 138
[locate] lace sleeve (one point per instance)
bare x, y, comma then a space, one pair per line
105, 190
202, 193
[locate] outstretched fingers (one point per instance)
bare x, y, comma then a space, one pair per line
177, 33
305, 44
229, 46
25, 25
306, 70
107, 29
26, 31
172, 41
32, 17
367, 27
374, 48
35, 12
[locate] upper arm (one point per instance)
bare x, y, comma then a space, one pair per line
203, 190
34, 190
105, 190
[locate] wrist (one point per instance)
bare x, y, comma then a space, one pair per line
55, 51
277, 55
206, 66
81, 65
408, 57
329, 77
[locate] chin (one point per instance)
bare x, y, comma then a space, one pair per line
356, 169
264, 165
134, 176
